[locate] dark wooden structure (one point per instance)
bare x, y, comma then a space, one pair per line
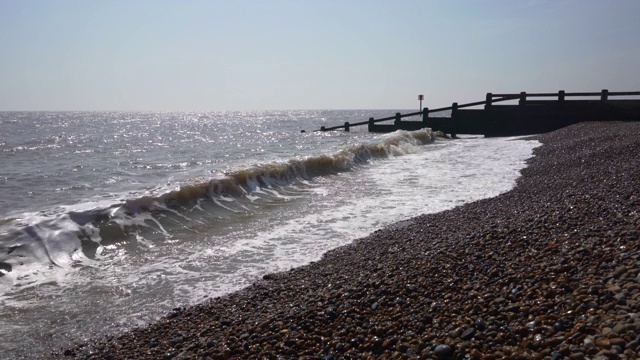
533, 114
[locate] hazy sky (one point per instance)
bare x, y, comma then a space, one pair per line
324, 54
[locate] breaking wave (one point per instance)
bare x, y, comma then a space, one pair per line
69, 237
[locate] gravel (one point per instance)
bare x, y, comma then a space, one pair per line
550, 269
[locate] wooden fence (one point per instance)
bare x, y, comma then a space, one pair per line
488, 119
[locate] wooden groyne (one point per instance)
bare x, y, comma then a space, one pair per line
534, 113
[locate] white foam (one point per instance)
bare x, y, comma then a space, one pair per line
391, 190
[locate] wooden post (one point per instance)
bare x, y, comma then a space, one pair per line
605, 95
322, 128
425, 115
488, 100
454, 112
561, 95
397, 121
370, 125
523, 98
346, 126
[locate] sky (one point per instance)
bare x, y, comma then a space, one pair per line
155, 55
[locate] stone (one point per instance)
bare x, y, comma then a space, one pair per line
443, 351
476, 354
468, 333
618, 342
603, 343
622, 327
556, 356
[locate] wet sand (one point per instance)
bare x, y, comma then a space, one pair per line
550, 269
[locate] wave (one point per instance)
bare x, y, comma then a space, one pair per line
76, 236
243, 182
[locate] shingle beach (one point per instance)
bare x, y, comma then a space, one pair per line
550, 269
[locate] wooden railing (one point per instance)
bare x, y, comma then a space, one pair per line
488, 102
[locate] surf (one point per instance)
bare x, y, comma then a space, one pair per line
70, 238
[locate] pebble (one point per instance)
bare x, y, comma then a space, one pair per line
603, 343
468, 334
443, 351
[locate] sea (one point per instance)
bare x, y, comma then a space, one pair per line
109, 220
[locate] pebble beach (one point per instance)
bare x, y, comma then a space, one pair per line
548, 270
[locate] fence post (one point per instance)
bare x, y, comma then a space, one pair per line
523, 98
370, 126
488, 101
322, 128
561, 95
454, 112
425, 115
605, 95
397, 120
346, 126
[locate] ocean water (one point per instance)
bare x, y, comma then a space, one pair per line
109, 220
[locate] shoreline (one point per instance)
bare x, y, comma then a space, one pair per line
548, 269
